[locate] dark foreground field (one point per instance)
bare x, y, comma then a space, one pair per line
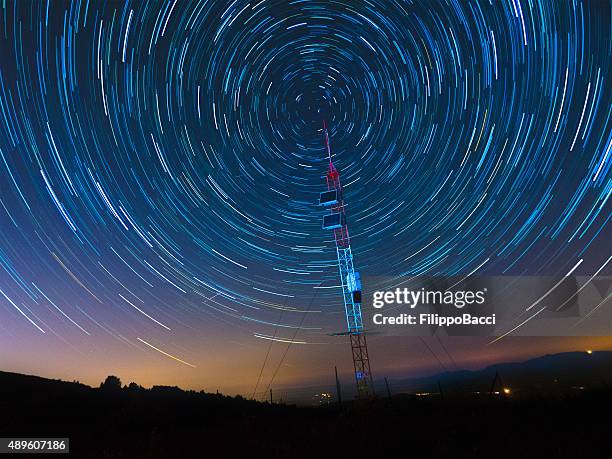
167, 422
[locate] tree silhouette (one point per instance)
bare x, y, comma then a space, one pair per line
111, 383
135, 387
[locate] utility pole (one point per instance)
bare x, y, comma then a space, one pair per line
388, 389
495, 378
270, 396
338, 388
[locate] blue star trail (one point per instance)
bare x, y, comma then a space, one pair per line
160, 162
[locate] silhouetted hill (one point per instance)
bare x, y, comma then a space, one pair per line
166, 422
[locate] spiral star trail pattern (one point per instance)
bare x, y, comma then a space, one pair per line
160, 162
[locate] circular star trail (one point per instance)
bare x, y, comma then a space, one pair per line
160, 163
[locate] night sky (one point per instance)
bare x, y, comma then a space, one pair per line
160, 165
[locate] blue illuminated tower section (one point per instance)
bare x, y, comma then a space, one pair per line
350, 279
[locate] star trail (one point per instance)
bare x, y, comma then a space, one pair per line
160, 163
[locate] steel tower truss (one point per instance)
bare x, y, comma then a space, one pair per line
351, 281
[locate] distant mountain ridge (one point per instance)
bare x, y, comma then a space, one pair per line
560, 371
545, 375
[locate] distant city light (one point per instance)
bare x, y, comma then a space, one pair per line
507, 390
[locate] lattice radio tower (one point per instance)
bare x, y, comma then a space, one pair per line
350, 279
